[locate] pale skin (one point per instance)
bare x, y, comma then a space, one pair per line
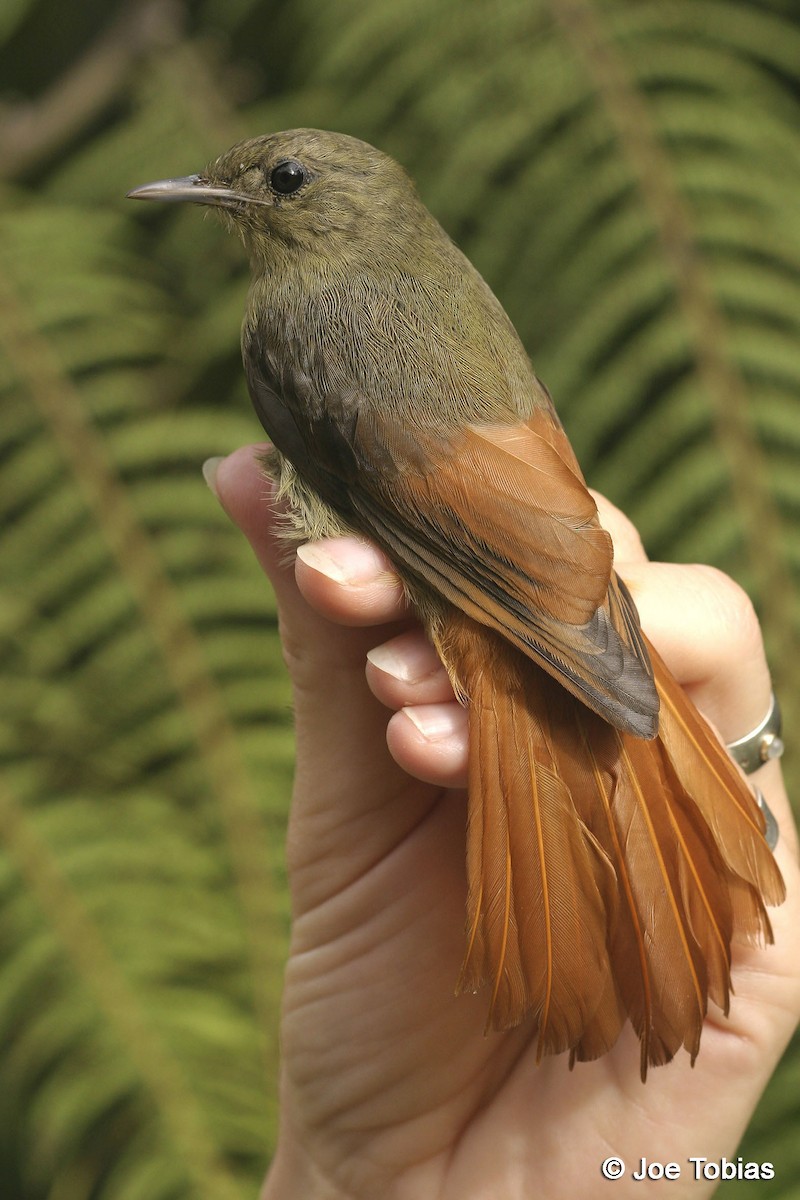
389, 1088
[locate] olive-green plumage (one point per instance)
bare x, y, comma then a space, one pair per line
358, 296
613, 851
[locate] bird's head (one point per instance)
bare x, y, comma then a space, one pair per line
304, 189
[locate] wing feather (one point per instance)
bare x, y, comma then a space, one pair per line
497, 520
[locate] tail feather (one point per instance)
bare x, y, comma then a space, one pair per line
706, 771
608, 875
539, 885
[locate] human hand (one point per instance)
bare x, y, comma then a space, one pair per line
389, 1087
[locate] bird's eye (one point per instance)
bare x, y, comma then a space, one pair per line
288, 177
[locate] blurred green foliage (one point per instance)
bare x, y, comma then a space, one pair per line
625, 173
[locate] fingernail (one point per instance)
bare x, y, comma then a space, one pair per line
410, 664
436, 721
344, 560
392, 664
210, 468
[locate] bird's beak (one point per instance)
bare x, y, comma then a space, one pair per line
193, 188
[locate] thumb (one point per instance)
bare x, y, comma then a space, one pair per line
248, 497
327, 599
343, 763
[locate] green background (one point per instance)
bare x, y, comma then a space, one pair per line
626, 175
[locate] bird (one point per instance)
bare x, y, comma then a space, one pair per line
614, 852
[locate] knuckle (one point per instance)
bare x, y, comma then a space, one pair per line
628, 545
294, 651
733, 609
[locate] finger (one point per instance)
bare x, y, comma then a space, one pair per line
429, 741
624, 534
350, 581
407, 670
344, 579
248, 498
705, 628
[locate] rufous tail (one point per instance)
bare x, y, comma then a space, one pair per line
608, 875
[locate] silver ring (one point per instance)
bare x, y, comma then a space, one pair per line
761, 744
771, 831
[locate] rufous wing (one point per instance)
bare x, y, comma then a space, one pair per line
498, 520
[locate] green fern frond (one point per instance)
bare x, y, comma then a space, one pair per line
624, 173
103, 613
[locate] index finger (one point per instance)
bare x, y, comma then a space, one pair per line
628, 546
